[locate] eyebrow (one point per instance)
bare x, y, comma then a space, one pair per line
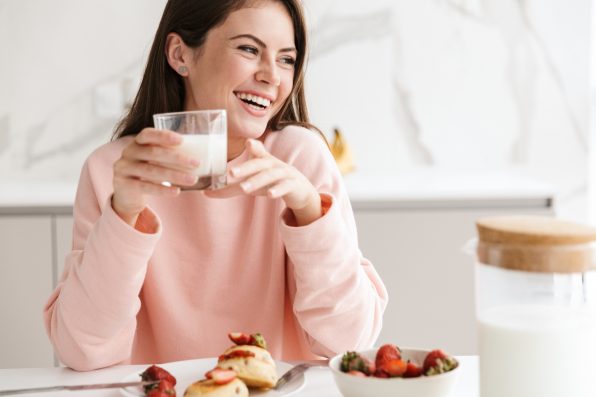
260, 42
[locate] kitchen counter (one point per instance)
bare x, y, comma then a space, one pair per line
411, 189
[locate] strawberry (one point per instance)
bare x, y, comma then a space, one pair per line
221, 376
155, 373
412, 370
239, 338
386, 353
235, 354
394, 368
379, 373
158, 393
345, 360
165, 387
357, 373
258, 340
352, 361
438, 362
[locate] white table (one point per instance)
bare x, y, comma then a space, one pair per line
319, 381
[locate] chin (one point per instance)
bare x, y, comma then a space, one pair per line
247, 131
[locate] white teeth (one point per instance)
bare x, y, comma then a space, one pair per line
253, 98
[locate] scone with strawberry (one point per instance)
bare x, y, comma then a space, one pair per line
250, 360
218, 383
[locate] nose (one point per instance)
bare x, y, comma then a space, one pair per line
268, 72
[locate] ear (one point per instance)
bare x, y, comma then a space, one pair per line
177, 54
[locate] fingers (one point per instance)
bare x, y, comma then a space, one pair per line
225, 192
145, 187
152, 136
280, 189
166, 156
154, 173
256, 148
263, 179
251, 167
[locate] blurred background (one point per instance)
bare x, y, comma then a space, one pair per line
435, 84
453, 109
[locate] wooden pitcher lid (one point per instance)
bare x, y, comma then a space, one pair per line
536, 244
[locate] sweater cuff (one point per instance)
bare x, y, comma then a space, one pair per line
314, 236
123, 231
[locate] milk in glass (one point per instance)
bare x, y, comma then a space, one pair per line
210, 150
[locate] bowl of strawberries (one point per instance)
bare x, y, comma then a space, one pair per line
391, 371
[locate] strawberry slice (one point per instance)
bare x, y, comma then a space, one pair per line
235, 354
221, 376
239, 338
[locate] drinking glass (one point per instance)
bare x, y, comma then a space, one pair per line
204, 134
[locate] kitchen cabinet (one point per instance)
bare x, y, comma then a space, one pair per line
25, 284
35, 235
413, 228
418, 254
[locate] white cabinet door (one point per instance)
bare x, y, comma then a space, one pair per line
430, 281
25, 284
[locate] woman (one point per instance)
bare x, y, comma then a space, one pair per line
156, 275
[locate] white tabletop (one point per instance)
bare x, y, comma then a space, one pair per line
319, 381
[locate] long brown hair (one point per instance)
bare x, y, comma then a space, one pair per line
162, 89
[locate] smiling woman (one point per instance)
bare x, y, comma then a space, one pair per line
156, 274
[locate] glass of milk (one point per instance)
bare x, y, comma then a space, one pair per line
535, 308
204, 134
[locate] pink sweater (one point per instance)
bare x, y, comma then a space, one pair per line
214, 266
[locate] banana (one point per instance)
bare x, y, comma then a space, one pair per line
342, 153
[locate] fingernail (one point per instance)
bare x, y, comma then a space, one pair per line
193, 162
246, 186
234, 171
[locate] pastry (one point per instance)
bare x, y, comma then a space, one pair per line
250, 360
209, 387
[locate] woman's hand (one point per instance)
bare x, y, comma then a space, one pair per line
149, 160
266, 175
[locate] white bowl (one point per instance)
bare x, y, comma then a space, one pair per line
424, 386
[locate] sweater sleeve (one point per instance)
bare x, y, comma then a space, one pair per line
338, 297
90, 317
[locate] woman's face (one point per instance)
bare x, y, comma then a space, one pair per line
245, 66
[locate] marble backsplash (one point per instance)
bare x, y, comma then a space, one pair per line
451, 84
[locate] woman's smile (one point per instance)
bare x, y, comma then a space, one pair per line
254, 103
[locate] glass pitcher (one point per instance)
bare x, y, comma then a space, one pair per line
534, 308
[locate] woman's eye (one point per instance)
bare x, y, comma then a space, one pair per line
288, 61
249, 49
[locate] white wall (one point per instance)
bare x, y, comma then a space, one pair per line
476, 84
454, 84
57, 58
